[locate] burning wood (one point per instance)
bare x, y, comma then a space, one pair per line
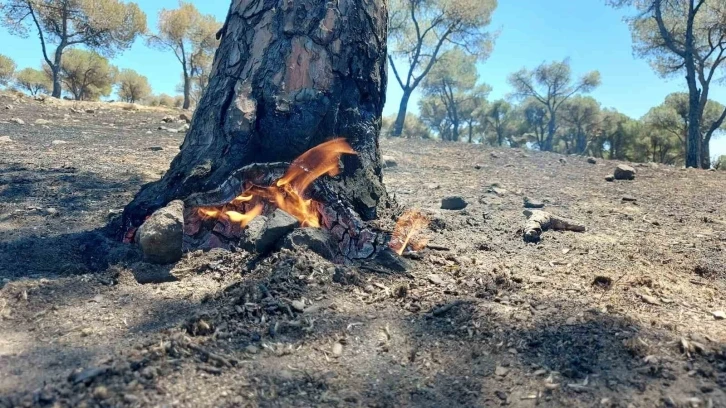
408, 232
288, 192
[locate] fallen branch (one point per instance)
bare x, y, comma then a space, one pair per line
540, 221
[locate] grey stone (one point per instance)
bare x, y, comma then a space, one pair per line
186, 117
42, 122
17, 121
389, 162
277, 225
453, 203
160, 237
609, 177
624, 172
592, 160
314, 239
531, 203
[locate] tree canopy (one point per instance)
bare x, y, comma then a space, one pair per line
132, 86
34, 81
420, 32
191, 36
104, 26
551, 85
684, 37
87, 75
7, 69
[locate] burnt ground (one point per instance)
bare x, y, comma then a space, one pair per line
620, 315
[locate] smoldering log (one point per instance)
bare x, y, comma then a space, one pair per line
541, 221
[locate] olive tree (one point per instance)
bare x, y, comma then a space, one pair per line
191, 36
132, 86
105, 26
684, 37
421, 31
87, 75
7, 69
33, 80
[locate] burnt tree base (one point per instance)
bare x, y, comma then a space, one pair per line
287, 76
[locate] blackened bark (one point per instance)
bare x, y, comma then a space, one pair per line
288, 75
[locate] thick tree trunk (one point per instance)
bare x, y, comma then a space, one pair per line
706, 153
287, 76
401, 117
551, 128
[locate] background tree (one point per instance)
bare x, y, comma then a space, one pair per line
87, 75
499, 118
191, 36
454, 83
132, 86
420, 31
619, 133
7, 69
534, 122
105, 26
551, 84
686, 36
34, 81
673, 115
581, 116
414, 128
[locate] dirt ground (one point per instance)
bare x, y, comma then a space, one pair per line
621, 315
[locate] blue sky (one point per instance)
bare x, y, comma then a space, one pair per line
592, 35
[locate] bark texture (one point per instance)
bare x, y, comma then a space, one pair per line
288, 75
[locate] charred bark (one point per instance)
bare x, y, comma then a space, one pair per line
287, 76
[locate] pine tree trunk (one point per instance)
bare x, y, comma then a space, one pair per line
401, 117
287, 76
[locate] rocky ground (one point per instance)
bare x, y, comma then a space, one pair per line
626, 314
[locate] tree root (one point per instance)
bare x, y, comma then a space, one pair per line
540, 221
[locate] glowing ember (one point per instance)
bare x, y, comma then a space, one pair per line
408, 232
287, 193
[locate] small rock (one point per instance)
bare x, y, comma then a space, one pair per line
100, 392
252, 349
186, 117
298, 305
317, 240
432, 186
389, 162
501, 371
629, 199
494, 155
53, 212
530, 203
167, 119
277, 225
160, 237
91, 111
17, 121
337, 349
498, 191
42, 122
563, 161
719, 315
652, 300
5, 139
453, 203
156, 148
436, 279
87, 375
130, 398
592, 160
501, 395
184, 128
624, 172
8, 107
58, 142
609, 177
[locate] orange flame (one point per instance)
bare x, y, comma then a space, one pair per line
408, 232
288, 191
